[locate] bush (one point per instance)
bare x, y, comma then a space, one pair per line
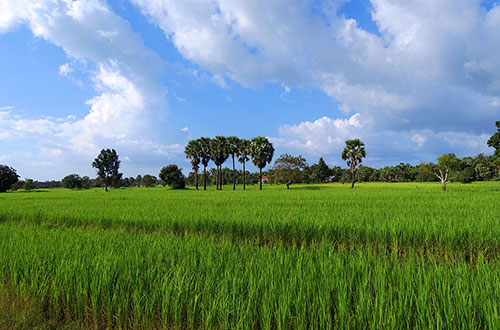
172, 175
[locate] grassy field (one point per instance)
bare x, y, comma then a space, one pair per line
317, 256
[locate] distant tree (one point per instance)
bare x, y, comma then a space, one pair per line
233, 150
148, 181
138, 181
262, 152
494, 140
288, 169
446, 164
8, 177
322, 171
353, 154
205, 157
107, 165
29, 184
244, 147
172, 175
86, 184
219, 152
72, 181
194, 152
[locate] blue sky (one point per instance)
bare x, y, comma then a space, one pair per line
412, 80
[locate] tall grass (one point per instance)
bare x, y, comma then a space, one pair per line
381, 256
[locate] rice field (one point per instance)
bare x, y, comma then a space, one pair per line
381, 256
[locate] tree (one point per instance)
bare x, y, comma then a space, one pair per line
494, 140
262, 152
353, 154
72, 181
219, 152
148, 181
8, 177
287, 169
321, 170
172, 175
107, 165
205, 157
234, 151
194, 152
29, 184
446, 164
244, 147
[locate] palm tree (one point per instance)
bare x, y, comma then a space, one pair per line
219, 153
353, 153
262, 152
233, 149
194, 152
244, 146
204, 145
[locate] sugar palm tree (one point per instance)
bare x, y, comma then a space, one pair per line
233, 149
204, 145
244, 155
194, 152
353, 153
219, 153
262, 152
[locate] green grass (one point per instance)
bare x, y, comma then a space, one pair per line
317, 256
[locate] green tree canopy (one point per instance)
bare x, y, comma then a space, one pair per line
494, 140
262, 152
172, 175
353, 154
107, 165
8, 177
288, 169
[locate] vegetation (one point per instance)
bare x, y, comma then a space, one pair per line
317, 256
8, 176
194, 151
353, 154
172, 175
287, 169
262, 152
107, 165
494, 140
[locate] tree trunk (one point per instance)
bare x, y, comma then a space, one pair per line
196, 179
260, 178
217, 175
204, 177
221, 176
234, 175
244, 181
105, 187
443, 185
353, 177
287, 186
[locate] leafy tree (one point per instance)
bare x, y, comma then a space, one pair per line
322, 171
219, 152
494, 140
107, 165
8, 177
72, 181
29, 184
353, 154
287, 169
234, 151
86, 182
205, 157
138, 181
446, 164
244, 147
148, 181
262, 152
194, 152
172, 175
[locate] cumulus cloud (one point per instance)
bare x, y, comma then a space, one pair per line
432, 65
129, 105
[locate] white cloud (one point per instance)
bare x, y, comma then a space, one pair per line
65, 69
433, 66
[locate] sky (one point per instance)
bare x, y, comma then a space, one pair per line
411, 79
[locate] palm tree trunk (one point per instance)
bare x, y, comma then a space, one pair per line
244, 181
196, 178
217, 178
234, 175
204, 177
260, 178
353, 177
221, 176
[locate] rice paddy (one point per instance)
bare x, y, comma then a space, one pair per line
385, 256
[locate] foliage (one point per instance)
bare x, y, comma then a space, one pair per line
107, 165
172, 175
28, 184
353, 154
8, 177
72, 181
262, 152
148, 181
494, 140
194, 151
287, 169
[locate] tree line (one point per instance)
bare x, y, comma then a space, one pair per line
287, 169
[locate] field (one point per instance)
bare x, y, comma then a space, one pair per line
380, 256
